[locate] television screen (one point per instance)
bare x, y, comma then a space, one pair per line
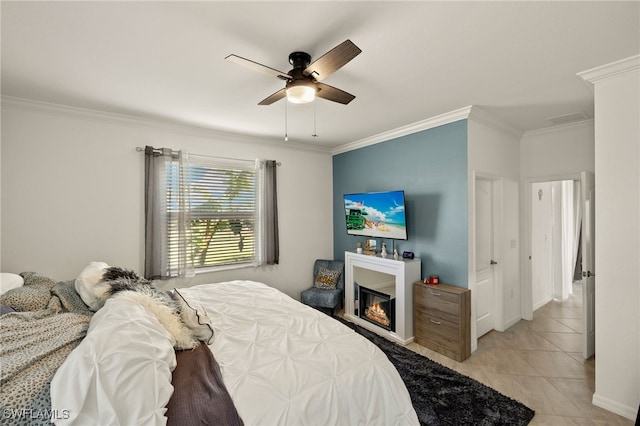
376, 214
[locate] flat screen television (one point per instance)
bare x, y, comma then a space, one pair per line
376, 214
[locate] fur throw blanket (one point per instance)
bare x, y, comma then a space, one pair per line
186, 324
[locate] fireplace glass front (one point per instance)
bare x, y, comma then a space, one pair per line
377, 308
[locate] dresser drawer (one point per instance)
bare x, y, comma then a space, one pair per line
437, 331
442, 292
438, 303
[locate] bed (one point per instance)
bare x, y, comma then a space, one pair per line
281, 362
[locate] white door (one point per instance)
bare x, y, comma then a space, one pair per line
484, 286
587, 187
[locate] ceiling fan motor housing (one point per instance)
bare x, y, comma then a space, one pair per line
300, 59
301, 88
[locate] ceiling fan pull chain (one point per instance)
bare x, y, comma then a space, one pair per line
315, 112
286, 133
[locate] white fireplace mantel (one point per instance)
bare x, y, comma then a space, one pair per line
377, 269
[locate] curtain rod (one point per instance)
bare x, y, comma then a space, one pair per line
141, 149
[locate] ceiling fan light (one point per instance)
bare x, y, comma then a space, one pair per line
301, 94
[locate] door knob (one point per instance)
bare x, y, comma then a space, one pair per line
493, 262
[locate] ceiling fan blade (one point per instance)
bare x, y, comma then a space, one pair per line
334, 94
259, 67
333, 60
273, 98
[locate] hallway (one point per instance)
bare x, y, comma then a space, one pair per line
540, 364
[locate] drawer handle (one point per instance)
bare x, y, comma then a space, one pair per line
436, 322
435, 294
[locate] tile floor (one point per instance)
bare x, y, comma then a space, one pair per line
540, 364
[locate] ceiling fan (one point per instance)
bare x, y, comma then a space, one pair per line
303, 82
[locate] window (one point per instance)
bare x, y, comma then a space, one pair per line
223, 213
206, 212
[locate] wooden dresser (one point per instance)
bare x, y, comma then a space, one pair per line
442, 319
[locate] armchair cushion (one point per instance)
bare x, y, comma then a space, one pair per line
322, 297
327, 278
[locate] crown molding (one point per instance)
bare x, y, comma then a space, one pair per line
22, 104
612, 70
481, 116
429, 123
559, 128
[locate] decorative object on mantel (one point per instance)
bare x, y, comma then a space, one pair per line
383, 250
370, 248
442, 396
359, 247
407, 255
395, 254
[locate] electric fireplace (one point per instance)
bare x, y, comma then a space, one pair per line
377, 308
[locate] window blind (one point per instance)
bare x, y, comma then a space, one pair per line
223, 206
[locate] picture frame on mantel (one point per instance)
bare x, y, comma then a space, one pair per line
370, 247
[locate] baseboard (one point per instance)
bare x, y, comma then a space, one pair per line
615, 407
511, 322
541, 303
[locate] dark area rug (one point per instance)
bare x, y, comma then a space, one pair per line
442, 396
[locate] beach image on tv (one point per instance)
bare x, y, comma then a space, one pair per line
379, 214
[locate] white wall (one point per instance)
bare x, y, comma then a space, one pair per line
72, 192
617, 239
494, 151
558, 151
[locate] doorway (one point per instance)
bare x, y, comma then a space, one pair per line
559, 237
555, 239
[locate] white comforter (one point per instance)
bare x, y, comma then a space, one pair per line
286, 363
283, 363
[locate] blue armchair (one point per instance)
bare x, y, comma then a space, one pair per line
325, 297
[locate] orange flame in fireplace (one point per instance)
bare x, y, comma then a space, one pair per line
377, 314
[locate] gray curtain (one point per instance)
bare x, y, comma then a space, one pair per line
155, 235
157, 219
271, 212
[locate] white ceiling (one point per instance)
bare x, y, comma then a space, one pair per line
165, 60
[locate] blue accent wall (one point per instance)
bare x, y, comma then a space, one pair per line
431, 167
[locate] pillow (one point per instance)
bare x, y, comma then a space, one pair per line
195, 317
9, 281
90, 287
34, 295
120, 374
327, 278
